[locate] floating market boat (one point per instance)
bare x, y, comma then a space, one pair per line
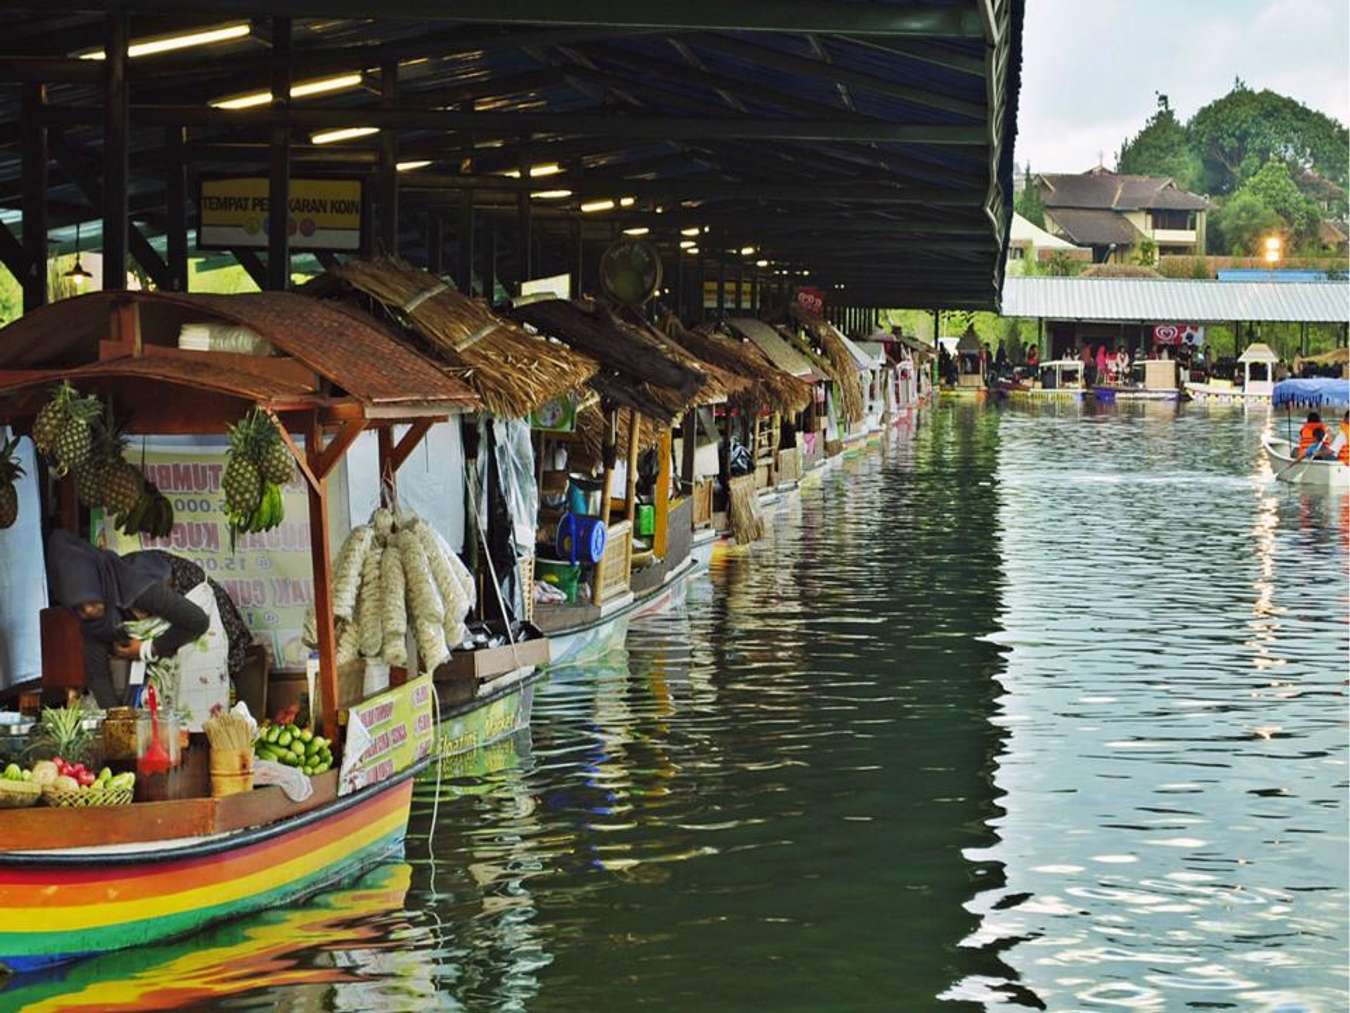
1058, 379
108, 872
1258, 364
1312, 394
1151, 380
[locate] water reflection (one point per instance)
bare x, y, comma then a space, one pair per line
1035, 707
1174, 773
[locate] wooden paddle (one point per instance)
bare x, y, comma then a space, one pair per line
1311, 453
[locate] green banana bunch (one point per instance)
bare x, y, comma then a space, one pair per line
269, 512
152, 515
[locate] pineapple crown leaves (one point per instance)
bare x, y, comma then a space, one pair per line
10, 468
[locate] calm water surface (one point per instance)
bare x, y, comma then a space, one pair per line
1036, 708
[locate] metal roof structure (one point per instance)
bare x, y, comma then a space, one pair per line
1146, 300
864, 146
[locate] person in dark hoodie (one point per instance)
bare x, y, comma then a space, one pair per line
104, 590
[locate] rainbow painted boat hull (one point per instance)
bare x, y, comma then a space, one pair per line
59, 906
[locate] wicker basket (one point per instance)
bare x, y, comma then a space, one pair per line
18, 794
87, 797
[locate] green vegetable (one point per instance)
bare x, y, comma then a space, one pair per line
284, 739
13, 773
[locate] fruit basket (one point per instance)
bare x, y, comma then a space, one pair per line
18, 794
82, 797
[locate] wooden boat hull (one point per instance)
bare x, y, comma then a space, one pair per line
1109, 394
1317, 474
63, 905
608, 632
490, 718
231, 959
1204, 393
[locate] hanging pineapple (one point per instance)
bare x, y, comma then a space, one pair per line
10, 472
258, 465
106, 478
63, 429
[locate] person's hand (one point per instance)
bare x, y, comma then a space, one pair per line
131, 650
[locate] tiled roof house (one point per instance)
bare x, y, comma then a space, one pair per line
1111, 213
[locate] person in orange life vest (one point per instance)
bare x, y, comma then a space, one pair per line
1311, 435
1339, 447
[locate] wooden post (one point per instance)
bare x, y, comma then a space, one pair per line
116, 146
389, 161
490, 278
384, 437
35, 159
176, 195
323, 593
466, 248
630, 493
610, 454
579, 262
279, 174
688, 448
523, 247
435, 245
661, 494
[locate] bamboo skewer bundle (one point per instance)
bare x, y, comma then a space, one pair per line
228, 731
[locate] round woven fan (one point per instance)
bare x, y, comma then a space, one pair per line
630, 271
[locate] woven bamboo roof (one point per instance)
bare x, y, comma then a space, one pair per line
511, 370
639, 369
768, 387
350, 351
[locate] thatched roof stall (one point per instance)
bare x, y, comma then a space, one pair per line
512, 371
638, 369
722, 385
307, 354
844, 367
768, 388
321, 370
783, 353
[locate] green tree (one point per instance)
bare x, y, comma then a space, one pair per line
1275, 188
1162, 148
1146, 253
1236, 135
1237, 227
1028, 203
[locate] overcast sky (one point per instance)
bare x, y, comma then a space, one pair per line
1090, 67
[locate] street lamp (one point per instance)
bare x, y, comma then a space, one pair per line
1274, 248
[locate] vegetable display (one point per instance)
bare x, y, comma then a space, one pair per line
293, 746
395, 576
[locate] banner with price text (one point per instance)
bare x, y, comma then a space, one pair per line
268, 575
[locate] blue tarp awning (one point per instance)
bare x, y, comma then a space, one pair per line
1313, 393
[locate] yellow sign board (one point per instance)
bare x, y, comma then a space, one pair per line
400, 731
268, 575
325, 214
729, 290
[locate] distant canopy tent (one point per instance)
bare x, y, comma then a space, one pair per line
1324, 392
